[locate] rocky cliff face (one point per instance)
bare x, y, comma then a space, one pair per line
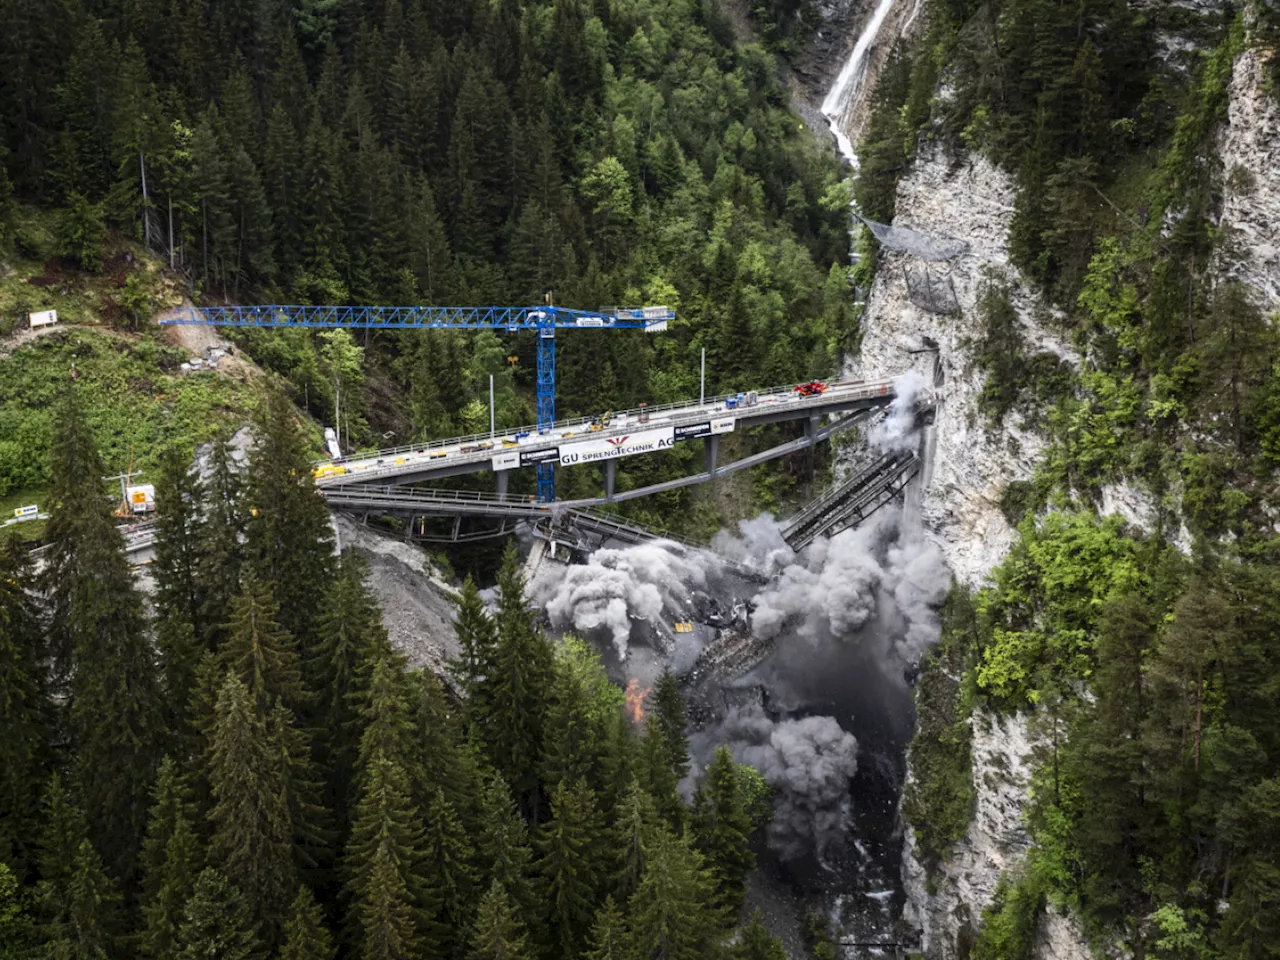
1249, 151
969, 465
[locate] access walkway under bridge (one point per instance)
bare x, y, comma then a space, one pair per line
588, 441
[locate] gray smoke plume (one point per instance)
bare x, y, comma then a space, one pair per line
615, 587
809, 763
897, 432
837, 586
758, 545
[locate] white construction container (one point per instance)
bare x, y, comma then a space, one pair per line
42, 318
142, 498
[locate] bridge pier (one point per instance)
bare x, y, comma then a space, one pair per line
811, 434
610, 475
502, 477
711, 450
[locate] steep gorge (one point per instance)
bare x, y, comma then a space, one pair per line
970, 463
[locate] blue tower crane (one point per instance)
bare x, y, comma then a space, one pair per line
543, 320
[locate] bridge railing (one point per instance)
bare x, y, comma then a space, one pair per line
407, 494
709, 406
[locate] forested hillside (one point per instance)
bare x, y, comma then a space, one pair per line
1147, 661
251, 772
418, 151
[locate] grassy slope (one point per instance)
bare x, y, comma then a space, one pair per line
139, 401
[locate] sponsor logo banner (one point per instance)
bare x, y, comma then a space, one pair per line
691, 431
529, 458
626, 445
722, 425
506, 461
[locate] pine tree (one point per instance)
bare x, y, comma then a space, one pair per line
179, 595
609, 938
252, 829
97, 624
388, 730
757, 943
24, 708
387, 904
16, 927
722, 829
260, 651
669, 711
220, 554
288, 543
498, 933
570, 847
217, 924
306, 936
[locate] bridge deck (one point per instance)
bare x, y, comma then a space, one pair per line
573, 441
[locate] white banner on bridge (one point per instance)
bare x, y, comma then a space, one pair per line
592, 451
722, 425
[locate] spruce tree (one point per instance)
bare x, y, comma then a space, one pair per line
306, 936
609, 938
635, 825
85, 932
171, 861
669, 711
220, 556
477, 638
260, 651
570, 844
388, 726
498, 933
385, 913
503, 853
76, 900
669, 916
350, 637
388, 906
757, 943
722, 829
660, 778
179, 595
24, 708
288, 542
443, 758
516, 688
252, 829
449, 875
100, 644
217, 923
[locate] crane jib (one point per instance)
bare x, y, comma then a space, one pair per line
545, 319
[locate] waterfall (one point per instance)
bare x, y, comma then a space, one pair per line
843, 95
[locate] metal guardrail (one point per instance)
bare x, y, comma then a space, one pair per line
882, 388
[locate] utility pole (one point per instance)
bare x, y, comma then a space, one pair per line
491, 427
702, 389
124, 479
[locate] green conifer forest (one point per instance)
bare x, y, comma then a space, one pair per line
251, 771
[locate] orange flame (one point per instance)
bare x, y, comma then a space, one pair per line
635, 699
